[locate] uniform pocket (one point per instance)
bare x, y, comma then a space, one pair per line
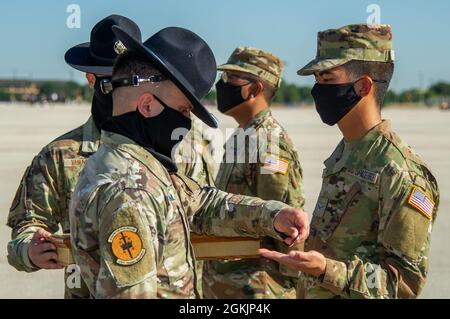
407, 231
333, 211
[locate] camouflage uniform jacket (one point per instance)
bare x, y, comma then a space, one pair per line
259, 278
368, 221
130, 223
42, 199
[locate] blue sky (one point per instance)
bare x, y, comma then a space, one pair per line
35, 37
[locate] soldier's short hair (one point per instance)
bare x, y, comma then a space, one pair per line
131, 63
381, 71
269, 89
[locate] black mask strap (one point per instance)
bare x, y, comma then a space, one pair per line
108, 85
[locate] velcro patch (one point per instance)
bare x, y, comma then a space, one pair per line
422, 202
275, 164
365, 174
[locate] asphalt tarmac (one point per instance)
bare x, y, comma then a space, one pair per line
24, 130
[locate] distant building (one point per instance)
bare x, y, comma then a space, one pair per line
20, 87
40, 90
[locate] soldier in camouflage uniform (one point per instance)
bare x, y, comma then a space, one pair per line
131, 213
40, 206
194, 156
371, 228
274, 174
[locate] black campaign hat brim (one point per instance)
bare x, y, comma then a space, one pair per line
166, 68
79, 57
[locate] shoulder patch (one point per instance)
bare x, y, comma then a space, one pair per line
275, 164
422, 202
126, 245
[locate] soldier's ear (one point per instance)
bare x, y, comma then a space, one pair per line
255, 89
364, 86
145, 106
90, 79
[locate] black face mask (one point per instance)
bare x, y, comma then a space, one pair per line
228, 96
334, 101
154, 133
102, 104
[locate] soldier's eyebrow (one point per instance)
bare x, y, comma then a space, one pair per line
324, 76
325, 73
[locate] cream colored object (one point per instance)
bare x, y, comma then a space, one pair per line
207, 247
63, 249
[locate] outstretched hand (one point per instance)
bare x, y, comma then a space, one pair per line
310, 262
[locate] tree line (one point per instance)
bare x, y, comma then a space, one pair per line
292, 94
288, 93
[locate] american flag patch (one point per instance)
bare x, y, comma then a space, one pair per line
275, 164
422, 202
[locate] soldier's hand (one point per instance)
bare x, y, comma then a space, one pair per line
310, 262
293, 223
42, 253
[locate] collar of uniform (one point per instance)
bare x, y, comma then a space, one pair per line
142, 154
354, 154
259, 118
335, 156
91, 137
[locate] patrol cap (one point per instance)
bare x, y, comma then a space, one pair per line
257, 62
364, 42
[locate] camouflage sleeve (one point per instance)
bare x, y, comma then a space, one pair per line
193, 159
399, 268
128, 245
35, 205
208, 166
283, 183
216, 213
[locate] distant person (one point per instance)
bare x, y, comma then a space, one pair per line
444, 106
41, 203
245, 91
371, 228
